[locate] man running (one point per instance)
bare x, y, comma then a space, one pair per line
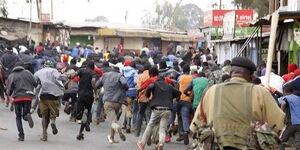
85, 96
21, 84
51, 91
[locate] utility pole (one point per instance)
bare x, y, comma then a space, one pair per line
30, 24
52, 10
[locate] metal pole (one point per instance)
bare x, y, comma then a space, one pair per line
30, 23
52, 10
220, 5
260, 44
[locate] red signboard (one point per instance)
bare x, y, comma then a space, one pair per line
215, 18
45, 17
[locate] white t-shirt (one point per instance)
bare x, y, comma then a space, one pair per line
276, 81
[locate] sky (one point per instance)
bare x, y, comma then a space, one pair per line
114, 10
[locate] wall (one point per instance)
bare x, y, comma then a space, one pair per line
111, 42
133, 43
222, 51
37, 35
20, 28
99, 42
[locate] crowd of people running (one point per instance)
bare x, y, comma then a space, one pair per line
163, 91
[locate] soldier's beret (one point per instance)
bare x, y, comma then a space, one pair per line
243, 62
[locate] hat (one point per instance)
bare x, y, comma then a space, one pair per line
127, 63
47, 63
292, 67
243, 62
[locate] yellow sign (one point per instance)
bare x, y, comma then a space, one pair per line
107, 32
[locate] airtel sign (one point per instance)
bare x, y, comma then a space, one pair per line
214, 18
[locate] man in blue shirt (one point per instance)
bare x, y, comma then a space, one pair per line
75, 52
290, 103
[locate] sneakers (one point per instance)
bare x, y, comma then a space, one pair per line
44, 138
30, 121
54, 129
80, 136
186, 138
110, 140
122, 136
21, 138
180, 138
140, 145
168, 139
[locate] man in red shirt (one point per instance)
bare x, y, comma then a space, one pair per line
39, 48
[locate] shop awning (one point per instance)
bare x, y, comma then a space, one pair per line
177, 37
128, 33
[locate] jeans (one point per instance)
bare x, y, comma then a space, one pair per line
135, 111
21, 109
173, 113
99, 106
291, 131
144, 112
184, 110
160, 117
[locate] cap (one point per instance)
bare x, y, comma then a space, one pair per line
48, 63
127, 63
292, 67
243, 62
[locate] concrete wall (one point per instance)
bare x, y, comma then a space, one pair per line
110, 42
133, 43
99, 42
20, 28
37, 35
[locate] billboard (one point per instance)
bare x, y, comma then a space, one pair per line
228, 25
214, 18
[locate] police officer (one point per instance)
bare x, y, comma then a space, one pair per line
231, 107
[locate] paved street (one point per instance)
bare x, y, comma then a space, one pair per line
66, 137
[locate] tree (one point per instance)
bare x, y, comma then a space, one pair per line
3, 9
176, 17
193, 15
97, 19
260, 6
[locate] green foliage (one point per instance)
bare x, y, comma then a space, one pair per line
177, 17
260, 6
3, 9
